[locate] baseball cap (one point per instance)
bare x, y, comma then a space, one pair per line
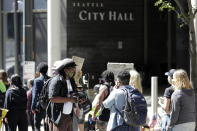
170, 72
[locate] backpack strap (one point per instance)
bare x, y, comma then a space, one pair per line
108, 88
121, 114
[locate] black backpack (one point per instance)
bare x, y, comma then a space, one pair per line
43, 98
134, 112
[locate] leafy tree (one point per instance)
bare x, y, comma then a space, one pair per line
187, 17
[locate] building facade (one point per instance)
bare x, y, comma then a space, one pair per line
100, 31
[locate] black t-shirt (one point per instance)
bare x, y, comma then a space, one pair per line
168, 92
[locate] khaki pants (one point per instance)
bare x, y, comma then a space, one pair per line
64, 125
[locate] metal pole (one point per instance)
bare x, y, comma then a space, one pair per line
27, 31
1, 41
54, 32
154, 94
16, 68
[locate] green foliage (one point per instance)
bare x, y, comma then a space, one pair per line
164, 5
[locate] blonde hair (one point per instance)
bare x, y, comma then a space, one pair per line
135, 80
181, 80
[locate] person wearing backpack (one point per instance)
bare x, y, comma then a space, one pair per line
118, 101
39, 113
104, 91
63, 95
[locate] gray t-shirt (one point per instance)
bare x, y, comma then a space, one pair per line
183, 107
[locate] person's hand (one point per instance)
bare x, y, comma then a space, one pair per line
6, 120
93, 118
34, 111
46, 120
161, 100
77, 111
116, 86
72, 99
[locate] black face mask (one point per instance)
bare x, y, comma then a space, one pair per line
70, 74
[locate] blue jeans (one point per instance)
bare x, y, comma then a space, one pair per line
165, 122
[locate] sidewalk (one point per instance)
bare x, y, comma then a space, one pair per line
147, 95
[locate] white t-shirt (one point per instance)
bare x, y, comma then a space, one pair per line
67, 109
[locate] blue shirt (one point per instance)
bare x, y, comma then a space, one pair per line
38, 84
115, 99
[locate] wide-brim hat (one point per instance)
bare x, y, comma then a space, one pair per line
65, 63
170, 72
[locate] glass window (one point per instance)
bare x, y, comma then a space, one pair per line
9, 42
8, 5
40, 37
40, 4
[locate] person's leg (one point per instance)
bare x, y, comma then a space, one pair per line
37, 120
68, 126
22, 122
81, 123
12, 123
81, 127
75, 122
100, 125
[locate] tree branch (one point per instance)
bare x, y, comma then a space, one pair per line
183, 12
195, 13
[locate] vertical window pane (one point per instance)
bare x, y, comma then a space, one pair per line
8, 5
9, 42
40, 37
40, 4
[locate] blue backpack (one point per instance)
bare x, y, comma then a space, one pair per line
134, 112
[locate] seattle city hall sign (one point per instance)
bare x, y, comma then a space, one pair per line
96, 11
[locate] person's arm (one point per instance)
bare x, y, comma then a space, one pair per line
110, 101
100, 100
165, 103
29, 100
35, 92
59, 99
7, 104
175, 106
54, 91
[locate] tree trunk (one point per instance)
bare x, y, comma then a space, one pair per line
192, 51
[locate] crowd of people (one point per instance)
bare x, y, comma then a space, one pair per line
63, 113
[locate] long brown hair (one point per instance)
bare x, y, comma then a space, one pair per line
4, 77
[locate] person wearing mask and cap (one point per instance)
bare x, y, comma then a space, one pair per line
61, 94
165, 101
38, 84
